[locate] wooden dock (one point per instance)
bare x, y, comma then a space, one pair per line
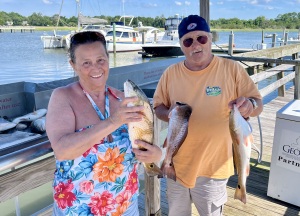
13, 29
258, 203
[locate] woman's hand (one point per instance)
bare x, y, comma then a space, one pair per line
124, 114
152, 154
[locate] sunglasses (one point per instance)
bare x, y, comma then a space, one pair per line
201, 39
86, 37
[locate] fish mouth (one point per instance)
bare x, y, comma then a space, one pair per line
97, 76
180, 103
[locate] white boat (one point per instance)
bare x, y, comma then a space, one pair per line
169, 44
269, 35
126, 38
152, 34
90, 27
53, 41
291, 40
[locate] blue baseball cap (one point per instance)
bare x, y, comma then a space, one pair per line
192, 23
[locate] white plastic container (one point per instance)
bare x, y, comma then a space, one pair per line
284, 176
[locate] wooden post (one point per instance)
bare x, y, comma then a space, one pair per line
262, 36
152, 184
285, 38
143, 37
114, 38
297, 83
204, 10
231, 42
273, 40
281, 89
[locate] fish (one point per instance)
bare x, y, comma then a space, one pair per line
144, 129
177, 132
6, 125
242, 140
30, 116
39, 125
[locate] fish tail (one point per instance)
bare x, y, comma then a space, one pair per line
240, 194
168, 170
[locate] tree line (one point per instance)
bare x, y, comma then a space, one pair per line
288, 21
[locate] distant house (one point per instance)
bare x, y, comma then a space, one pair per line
24, 23
9, 23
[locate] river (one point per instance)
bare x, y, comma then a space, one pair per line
23, 57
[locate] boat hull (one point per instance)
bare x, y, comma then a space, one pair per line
162, 50
123, 47
52, 42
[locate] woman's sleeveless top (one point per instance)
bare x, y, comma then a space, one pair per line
103, 180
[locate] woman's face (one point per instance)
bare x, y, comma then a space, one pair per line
91, 64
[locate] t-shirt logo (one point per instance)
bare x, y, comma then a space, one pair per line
191, 26
213, 91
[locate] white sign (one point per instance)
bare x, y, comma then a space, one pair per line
288, 155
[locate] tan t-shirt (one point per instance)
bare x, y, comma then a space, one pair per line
207, 150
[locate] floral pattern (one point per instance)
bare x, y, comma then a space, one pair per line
103, 181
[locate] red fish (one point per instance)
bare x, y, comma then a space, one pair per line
177, 132
242, 139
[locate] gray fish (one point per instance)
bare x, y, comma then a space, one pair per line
6, 125
39, 124
177, 132
144, 129
30, 116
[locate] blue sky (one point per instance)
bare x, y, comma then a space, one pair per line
242, 9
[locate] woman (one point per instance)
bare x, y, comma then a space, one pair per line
96, 167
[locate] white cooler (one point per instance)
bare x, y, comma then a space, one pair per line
284, 179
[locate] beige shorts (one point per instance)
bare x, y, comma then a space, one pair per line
208, 195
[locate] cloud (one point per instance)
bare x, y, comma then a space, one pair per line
188, 3
48, 2
253, 2
178, 3
150, 5
220, 3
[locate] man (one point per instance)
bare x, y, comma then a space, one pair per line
211, 85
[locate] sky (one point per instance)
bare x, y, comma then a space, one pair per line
242, 9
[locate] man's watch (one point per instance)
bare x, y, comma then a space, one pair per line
254, 104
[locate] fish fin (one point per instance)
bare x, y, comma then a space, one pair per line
165, 143
168, 171
240, 194
152, 170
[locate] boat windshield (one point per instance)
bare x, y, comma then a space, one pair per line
111, 33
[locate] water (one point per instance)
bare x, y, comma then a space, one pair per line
23, 57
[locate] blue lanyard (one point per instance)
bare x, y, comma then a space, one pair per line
107, 113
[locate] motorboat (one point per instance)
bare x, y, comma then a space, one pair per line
151, 33
90, 27
291, 40
169, 44
269, 35
124, 38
